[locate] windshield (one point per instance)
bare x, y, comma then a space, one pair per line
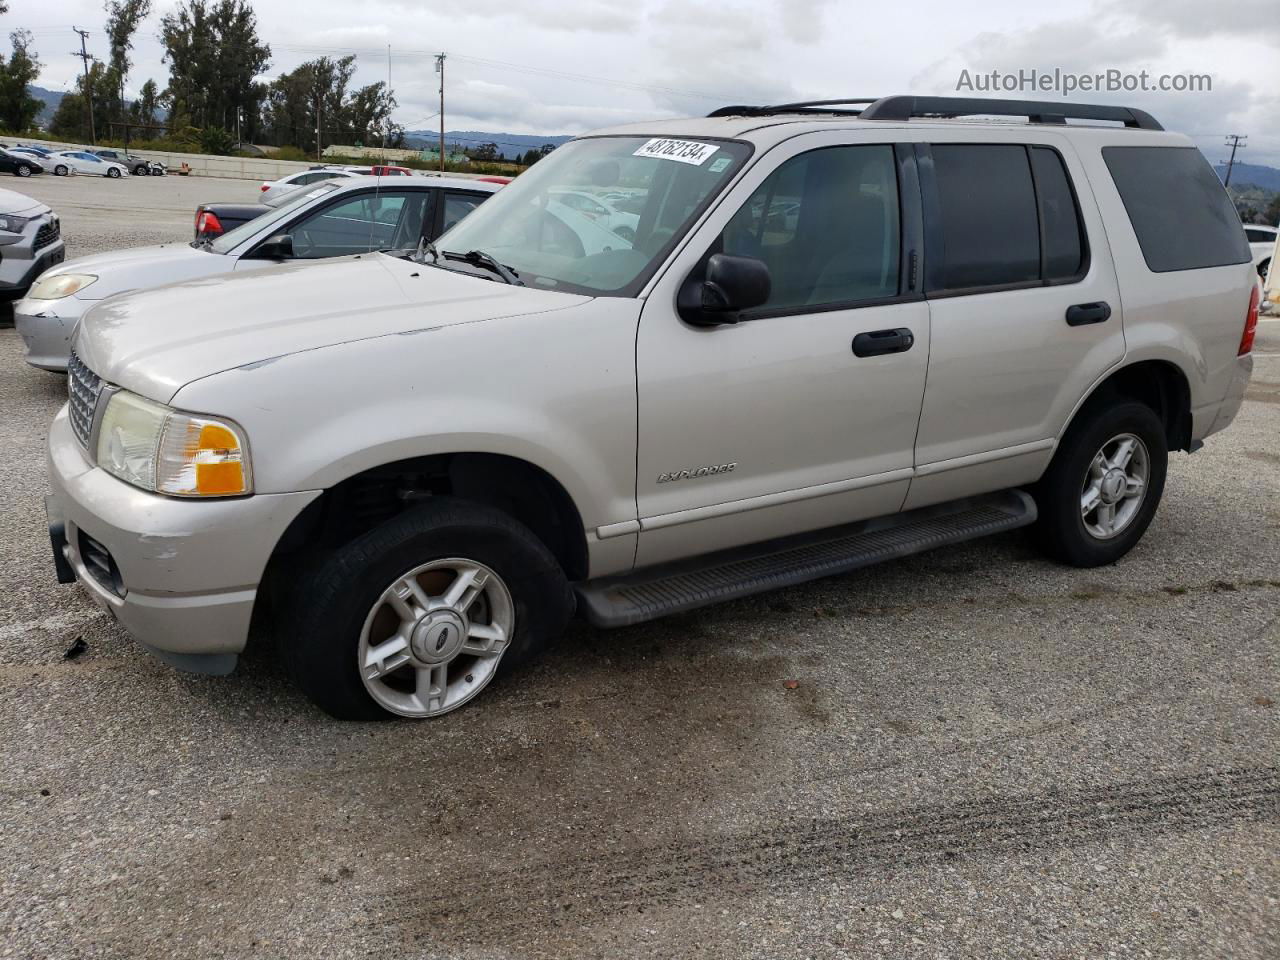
597, 215
228, 241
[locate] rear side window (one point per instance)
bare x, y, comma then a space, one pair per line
1008, 216
1179, 209
990, 235
1259, 236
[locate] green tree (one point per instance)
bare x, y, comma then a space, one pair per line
145, 110
123, 19
71, 119
18, 108
214, 55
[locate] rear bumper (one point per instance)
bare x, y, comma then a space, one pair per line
1232, 402
180, 575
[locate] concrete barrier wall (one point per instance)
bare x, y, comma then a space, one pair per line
204, 165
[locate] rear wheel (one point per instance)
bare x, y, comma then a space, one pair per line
1104, 484
1263, 267
24, 170
414, 618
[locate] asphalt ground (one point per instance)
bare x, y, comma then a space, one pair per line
970, 753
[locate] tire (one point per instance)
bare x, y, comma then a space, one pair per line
335, 612
1065, 530
1263, 267
113, 173
60, 170
140, 170
24, 170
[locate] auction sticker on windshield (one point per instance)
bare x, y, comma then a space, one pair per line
684, 151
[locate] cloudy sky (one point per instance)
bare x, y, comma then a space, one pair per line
569, 66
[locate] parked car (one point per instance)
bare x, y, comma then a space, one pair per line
303, 178
594, 208
84, 162
45, 160
332, 219
388, 170
419, 468
19, 164
30, 242
1262, 241
214, 219
138, 166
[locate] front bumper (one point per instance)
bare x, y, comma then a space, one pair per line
46, 327
19, 266
184, 574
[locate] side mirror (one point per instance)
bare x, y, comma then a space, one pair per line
278, 247
731, 284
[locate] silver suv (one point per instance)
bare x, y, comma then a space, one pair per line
30, 242
835, 334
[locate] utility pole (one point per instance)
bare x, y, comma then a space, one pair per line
86, 56
319, 107
1236, 142
440, 70
386, 131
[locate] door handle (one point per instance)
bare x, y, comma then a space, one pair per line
1083, 313
878, 342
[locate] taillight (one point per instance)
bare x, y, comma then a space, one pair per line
266, 187
208, 224
1250, 322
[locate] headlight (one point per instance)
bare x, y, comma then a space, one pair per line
156, 448
14, 224
62, 285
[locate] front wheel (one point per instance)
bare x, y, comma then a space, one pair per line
113, 173
1104, 484
413, 618
60, 170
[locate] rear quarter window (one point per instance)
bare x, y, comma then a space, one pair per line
1179, 210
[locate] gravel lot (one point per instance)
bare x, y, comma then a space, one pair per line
972, 753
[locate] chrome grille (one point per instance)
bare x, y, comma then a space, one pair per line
83, 387
48, 233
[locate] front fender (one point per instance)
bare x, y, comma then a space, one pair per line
555, 389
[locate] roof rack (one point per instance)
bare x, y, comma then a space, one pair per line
906, 108
806, 106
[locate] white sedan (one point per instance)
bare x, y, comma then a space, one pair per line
65, 161
274, 188
44, 160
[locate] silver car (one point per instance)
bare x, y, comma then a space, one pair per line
30, 242
332, 218
417, 468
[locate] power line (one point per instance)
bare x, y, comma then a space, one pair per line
506, 65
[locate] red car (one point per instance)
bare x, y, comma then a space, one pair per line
386, 170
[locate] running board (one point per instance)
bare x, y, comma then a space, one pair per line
730, 574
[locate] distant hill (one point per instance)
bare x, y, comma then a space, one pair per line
511, 144
1268, 178
50, 99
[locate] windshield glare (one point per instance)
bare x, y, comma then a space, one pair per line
596, 215
226, 242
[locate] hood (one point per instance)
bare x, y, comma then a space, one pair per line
143, 267
16, 203
154, 342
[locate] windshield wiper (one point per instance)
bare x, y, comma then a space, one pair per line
479, 258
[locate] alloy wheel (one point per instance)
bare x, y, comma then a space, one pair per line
1115, 486
434, 637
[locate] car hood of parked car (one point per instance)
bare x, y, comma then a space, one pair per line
156, 341
17, 203
143, 267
